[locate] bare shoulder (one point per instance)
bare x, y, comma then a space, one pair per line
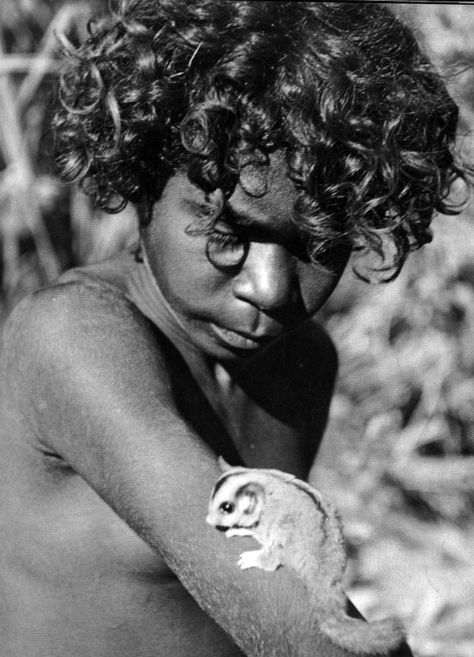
48, 323
66, 340
293, 382
311, 358
310, 368
304, 366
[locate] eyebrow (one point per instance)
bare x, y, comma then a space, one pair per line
262, 232
240, 219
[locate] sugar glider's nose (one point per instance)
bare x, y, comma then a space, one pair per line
211, 520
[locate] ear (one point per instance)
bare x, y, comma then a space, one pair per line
223, 465
254, 489
253, 496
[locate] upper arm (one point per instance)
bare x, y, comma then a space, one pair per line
320, 371
90, 377
312, 366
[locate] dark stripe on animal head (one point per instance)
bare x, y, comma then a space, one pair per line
220, 482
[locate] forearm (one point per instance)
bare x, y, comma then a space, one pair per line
266, 614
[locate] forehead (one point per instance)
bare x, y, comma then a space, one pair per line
234, 476
265, 195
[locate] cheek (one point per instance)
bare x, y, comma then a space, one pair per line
316, 286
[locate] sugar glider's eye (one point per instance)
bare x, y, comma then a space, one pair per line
226, 507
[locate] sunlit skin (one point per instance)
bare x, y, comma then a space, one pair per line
242, 371
271, 291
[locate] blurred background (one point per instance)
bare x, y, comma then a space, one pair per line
399, 454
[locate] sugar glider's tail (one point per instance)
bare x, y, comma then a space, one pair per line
377, 639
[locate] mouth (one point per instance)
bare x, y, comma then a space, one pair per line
242, 340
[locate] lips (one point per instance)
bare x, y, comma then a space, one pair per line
242, 340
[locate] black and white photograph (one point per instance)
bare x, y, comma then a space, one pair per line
237, 328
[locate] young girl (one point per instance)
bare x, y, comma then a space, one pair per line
262, 143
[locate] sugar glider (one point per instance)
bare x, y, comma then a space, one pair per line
297, 527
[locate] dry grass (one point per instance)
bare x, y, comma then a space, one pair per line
400, 449
45, 227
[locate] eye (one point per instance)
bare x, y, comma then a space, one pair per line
226, 507
224, 236
225, 247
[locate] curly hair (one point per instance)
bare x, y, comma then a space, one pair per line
341, 89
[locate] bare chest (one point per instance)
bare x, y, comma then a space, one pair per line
75, 579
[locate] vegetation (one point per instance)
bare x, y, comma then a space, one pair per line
45, 226
403, 414
399, 455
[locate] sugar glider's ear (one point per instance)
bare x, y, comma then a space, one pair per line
223, 465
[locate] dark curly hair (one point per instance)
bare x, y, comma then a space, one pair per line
342, 89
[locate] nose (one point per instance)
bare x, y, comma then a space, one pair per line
267, 277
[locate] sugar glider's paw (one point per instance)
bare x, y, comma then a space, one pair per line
250, 559
239, 531
258, 559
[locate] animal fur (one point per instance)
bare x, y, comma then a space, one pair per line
297, 527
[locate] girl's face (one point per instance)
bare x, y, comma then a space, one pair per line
245, 282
